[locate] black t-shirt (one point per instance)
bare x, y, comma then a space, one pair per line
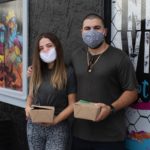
47, 95
111, 75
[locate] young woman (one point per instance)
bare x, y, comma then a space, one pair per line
51, 84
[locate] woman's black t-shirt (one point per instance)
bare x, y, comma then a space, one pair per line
47, 95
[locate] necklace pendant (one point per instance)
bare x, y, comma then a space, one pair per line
90, 70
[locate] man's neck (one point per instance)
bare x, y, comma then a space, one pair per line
99, 50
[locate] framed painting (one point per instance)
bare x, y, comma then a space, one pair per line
13, 51
129, 30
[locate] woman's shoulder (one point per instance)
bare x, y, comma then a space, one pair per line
69, 69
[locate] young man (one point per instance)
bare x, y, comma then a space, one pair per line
105, 76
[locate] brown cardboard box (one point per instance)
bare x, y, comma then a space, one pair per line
42, 114
86, 110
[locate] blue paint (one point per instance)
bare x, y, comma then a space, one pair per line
137, 145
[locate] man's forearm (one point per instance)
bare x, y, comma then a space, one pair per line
127, 98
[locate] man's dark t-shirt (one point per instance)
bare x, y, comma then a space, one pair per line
111, 75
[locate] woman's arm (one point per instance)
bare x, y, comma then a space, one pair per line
29, 101
67, 111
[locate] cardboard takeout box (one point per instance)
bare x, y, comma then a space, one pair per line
42, 114
86, 110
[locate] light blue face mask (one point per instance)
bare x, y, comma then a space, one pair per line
93, 38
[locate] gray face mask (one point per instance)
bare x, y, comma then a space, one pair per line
93, 38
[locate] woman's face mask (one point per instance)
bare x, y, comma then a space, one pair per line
48, 56
92, 38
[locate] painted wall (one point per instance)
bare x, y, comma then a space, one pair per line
64, 19
130, 31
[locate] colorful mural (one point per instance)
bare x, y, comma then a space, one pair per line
11, 41
130, 31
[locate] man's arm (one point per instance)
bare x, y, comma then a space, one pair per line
127, 98
29, 71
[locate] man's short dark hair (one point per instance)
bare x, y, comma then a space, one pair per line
93, 16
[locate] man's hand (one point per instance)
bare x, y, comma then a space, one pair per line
29, 71
105, 111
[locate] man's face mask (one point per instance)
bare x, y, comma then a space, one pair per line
93, 38
48, 56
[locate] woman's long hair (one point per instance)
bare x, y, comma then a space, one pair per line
59, 75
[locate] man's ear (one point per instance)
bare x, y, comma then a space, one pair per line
105, 32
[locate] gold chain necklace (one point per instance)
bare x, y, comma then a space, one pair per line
91, 65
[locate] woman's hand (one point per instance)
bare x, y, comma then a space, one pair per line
55, 121
27, 111
49, 124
